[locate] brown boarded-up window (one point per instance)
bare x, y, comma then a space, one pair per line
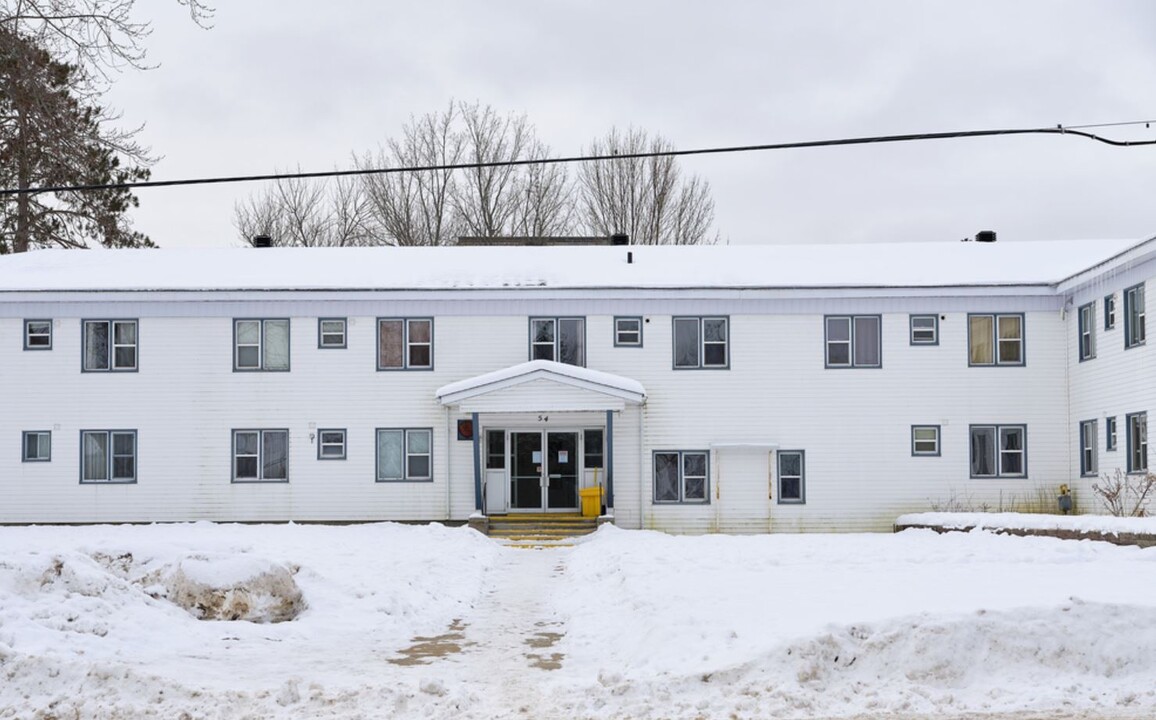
390, 344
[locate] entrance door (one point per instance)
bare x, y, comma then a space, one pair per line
544, 471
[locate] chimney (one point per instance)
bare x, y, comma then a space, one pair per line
262, 241
620, 239
986, 236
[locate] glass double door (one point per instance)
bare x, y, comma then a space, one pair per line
544, 470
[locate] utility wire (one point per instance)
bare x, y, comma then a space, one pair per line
1057, 130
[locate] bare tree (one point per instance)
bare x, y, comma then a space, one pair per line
646, 198
487, 198
307, 213
546, 205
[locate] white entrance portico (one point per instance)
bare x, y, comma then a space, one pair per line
541, 430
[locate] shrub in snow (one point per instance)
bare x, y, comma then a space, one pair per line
234, 588
1125, 495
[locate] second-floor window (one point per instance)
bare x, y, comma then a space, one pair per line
995, 339
261, 345
1109, 312
37, 334
701, 342
110, 345
1087, 331
560, 339
853, 341
1134, 330
331, 333
404, 343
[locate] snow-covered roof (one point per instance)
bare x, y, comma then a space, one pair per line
923, 264
521, 373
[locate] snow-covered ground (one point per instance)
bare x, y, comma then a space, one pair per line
401, 621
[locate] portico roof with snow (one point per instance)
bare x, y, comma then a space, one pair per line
542, 386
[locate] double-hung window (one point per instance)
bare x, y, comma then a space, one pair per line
331, 333
995, 339
110, 345
108, 456
561, 339
37, 446
1134, 331
37, 334
593, 451
261, 345
1109, 312
792, 477
1088, 448
925, 440
853, 341
405, 343
1087, 331
260, 455
628, 332
404, 454
701, 342
331, 444
998, 451
1110, 436
681, 477
1138, 442
924, 329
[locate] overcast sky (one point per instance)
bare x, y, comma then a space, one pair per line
284, 83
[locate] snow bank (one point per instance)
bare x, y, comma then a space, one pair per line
227, 588
1104, 524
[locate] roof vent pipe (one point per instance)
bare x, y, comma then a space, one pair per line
262, 241
985, 236
619, 239
629, 258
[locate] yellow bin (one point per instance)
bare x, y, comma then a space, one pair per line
591, 501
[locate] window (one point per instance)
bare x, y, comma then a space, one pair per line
331, 444
404, 344
701, 342
559, 339
628, 332
261, 345
995, 339
260, 455
109, 345
404, 454
1137, 442
924, 329
108, 456
791, 477
925, 440
1134, 316
331, 333
1087, 331
37, 446
853, 341
1109, 312
1110, 433
1088, 447
37, 334
495, 449
680, 477
592, 448
998, 451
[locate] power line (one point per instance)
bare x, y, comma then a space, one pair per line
877, 139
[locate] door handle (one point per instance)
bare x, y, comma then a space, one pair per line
552, 476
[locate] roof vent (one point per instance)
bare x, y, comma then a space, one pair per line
985, 236
262, 241
620, 239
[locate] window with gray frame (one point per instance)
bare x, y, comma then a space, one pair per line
261, 344
593, 449
853, 341
1134, 330
998, 451
404, 454
110, 345
681, 476
792, 477
37, 446
261, 455
1137, 442
37, 334
495, 449
561, 339
1110, 433
1088, 448
925, 440
405, 343
995, 339
924, 329
108, 456
1087, 331
331, 333
701, 343
628, 332
1109, 312
331, 444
